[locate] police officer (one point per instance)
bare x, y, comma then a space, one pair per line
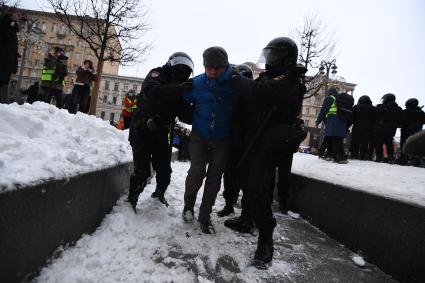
160, 101
271, 133
230, 180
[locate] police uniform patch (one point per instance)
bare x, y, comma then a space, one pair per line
154, 74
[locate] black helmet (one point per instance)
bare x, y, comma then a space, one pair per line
387, 98
180, 58
412, 103
245, 71
280, 52
364, 99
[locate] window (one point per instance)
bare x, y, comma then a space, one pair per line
107, 85
78, 55
80, 43
60, 41
114, 100
102, 114
307, 110
36, 62
105, 99
43, 27
33, 74
54, 28
69, 41
112, 116
135, 87
125, 87
62, 30
116, 86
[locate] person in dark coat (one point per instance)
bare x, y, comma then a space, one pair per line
335, 128
387, 119
273, 103
32, 93
413, 119
160, 102
9, 26
361, 135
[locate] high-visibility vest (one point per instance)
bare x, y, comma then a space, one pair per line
132, 104
47, 74
332, 110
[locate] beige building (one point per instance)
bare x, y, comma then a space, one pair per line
53, 34
112, 93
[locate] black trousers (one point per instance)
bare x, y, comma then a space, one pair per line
49, 92
231, 180
336, 147
256, 202
284, 167
79, 98
152, 147
360, 141
380, 140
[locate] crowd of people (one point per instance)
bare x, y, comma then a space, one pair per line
373, 127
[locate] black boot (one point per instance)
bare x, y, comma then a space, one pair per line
227, 210
240, 224
206, 226
263, 256
137, 185
159, 194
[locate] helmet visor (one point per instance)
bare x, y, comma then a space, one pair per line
271, 56
180, 60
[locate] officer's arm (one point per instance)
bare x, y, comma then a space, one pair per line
155, 88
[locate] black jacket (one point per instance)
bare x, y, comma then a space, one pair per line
160, 97
363, 117
280, 90
9, 48
413, 120
387, 119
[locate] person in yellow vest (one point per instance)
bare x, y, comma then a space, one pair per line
53, 76
130, 106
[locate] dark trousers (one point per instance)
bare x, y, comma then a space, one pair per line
49, 92
256, 202
336, 147
231, 182
127, 122
79, 98
152, 147
203, 153
380, 140
359, 144
284, 167
323, 150
4, 88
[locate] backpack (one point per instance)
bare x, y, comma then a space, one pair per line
344, 105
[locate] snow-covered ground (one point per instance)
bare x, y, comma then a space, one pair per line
405, 183
155, 245
39, 142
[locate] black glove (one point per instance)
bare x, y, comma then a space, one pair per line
186, 86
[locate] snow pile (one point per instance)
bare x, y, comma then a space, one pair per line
155, 245
39, 142
405, 183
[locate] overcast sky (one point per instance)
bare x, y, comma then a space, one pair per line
380, 44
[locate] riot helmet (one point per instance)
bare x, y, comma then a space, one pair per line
245, 71
387, 98
412, 103
281, 52
181, 66
364, 99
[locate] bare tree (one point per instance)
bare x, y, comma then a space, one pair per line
316, 44
112, 29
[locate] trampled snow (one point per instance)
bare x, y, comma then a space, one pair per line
39, 142
405, 183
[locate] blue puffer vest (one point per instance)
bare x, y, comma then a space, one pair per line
214, 102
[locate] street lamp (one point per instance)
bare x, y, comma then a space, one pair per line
330, 67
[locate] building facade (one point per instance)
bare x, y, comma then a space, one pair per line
52, 34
